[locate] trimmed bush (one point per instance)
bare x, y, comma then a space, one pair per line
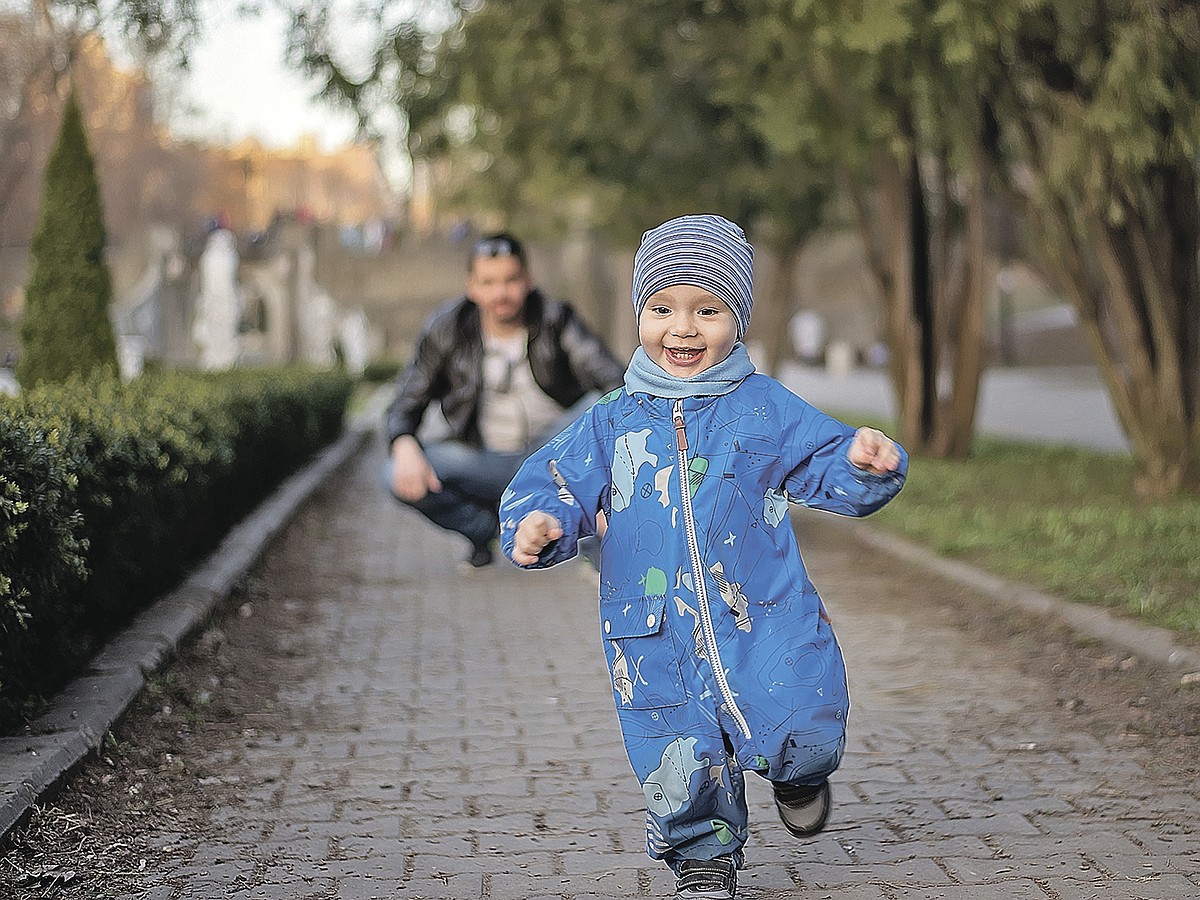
378, 371
42, 553
109, 491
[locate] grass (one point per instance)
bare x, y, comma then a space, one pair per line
1062, 519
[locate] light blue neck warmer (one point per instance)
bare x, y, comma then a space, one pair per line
647, 377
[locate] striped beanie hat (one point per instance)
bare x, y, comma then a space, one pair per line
707, 252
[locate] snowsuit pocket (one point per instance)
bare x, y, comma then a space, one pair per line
642, 656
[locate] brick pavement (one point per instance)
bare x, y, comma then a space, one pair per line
453, 737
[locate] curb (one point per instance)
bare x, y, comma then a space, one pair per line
35, 766
1149, 642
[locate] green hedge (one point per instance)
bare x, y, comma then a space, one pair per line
108, 492
378, 371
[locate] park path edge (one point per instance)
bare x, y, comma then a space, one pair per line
35, 765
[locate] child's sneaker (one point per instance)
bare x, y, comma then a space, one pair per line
706, 879
804, 808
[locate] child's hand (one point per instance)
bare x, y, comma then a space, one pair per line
874, 451
536, 530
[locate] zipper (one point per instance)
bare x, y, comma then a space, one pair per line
706, 622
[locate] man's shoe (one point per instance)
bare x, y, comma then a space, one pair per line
804, 809
481, 555
706, 879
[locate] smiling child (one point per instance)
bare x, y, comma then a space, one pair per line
722, 656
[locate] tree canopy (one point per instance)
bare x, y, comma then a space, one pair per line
918, 121
1079, 116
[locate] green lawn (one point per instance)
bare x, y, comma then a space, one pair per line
1063, 519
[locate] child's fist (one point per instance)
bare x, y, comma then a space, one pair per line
536, 530
874, 451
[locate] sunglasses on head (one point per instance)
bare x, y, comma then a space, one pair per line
493, 247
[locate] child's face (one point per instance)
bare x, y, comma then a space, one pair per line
686, 330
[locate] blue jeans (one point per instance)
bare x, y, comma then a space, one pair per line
473, 480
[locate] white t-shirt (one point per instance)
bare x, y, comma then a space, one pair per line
514, 411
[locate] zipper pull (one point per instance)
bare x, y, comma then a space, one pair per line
680, 434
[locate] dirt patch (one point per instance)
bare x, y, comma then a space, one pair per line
140, 809
1118, 698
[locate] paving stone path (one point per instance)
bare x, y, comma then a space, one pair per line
451, 735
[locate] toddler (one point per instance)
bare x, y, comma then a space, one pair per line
722, 657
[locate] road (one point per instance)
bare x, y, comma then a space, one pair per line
1051, 404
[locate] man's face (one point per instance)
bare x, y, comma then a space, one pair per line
498, 285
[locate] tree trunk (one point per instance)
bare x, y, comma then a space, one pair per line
1136, 285
965, 336
933, 318
776, 318
890, 234
1126, 255
921, 298
884, 234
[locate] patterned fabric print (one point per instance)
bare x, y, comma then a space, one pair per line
719, 654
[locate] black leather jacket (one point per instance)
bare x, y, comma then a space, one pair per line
566, 357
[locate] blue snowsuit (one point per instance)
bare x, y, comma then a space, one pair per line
721, 655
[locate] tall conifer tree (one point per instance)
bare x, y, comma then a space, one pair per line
66, 330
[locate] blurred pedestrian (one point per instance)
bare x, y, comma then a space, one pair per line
722, 656
509, 367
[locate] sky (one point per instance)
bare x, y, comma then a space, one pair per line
239, 87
